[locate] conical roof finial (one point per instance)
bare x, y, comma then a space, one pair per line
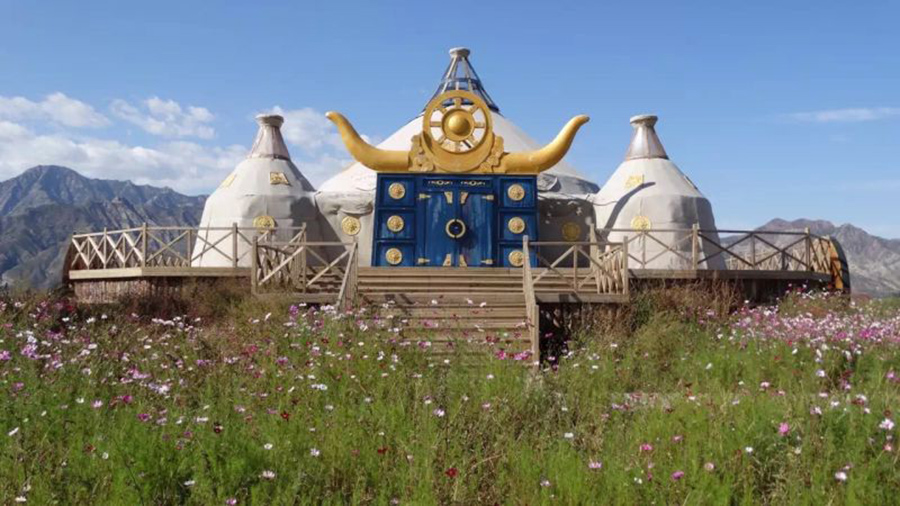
460, 75
644, 141
269, 143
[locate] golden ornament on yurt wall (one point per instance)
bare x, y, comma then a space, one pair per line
228, 180
634, 181
397, 191
395, 223
571, 231
640, 223
264, 222
393, 256
516, 225
516, 258
278, 178
350, 225
515, 192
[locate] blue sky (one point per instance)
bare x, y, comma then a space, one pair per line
787, 109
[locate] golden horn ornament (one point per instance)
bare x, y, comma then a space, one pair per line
532, 162
366, 154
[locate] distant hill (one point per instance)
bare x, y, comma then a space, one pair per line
42, 207
874, 261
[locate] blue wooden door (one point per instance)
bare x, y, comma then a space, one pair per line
476, 209
437, 208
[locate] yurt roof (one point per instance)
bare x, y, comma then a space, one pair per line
562, 178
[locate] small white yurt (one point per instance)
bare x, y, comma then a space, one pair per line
347, 199
649, 192
266, 191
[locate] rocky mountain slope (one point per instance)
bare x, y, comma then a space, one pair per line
43, 206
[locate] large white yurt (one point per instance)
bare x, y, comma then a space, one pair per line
265, 191
649, 192
347, 199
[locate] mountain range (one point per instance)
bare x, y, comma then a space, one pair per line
43, 206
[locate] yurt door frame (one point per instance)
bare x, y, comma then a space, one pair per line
457, 217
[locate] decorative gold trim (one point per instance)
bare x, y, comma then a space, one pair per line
449, 197
448, 260
423, 261
571, 231
424, 196
488, 261
393, 256
397, 191
641, 223
516, 258
350, 225
264, 222
462, 197
462, 231
634, 181
515, 192
488, 197
516, 225
228, 180
395, 223
462, 261
276, 178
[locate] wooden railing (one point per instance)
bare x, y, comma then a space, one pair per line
175, 247
532, 310
303, 267
584, 267
697, 249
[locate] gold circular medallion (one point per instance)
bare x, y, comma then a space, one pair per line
350, 225
264, 222
455, 228
516, 258
571, 231
640, 223
393, 256
397, 191
515, 192
395, 223
516, 225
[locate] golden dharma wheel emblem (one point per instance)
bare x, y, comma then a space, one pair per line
397, 191
264, 222
516, 258
278, 178
515, 192
571, 231
455, 228
641, 223
393, 256
350, 225
395, 223
516, 225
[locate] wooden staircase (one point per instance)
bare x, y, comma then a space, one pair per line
447, 307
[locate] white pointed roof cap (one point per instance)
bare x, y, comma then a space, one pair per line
644, 141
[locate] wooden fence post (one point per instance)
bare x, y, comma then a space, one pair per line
626, 290
809, 263
695, 246
105, 254
234, 245
144, 245
254, 264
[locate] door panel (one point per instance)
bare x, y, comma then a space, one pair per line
435, 210
476, 246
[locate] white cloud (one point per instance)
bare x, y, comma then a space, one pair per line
56, 107
853, 115
166, 118
185, 166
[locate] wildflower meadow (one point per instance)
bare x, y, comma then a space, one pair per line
273, 403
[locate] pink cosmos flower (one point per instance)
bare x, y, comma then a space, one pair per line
677, 475
595, 464
783, 429
646, 447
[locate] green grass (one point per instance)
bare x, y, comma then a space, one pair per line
700, 394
